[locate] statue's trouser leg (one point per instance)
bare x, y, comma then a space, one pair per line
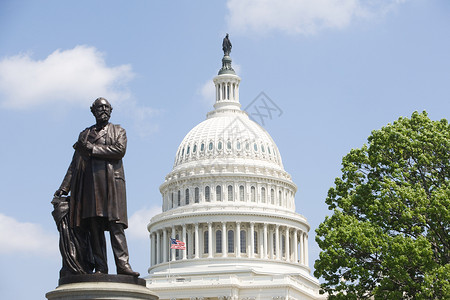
98, 244
119, 246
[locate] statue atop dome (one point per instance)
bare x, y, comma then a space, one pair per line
226, 46
226, 60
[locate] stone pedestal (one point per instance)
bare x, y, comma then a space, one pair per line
111, 287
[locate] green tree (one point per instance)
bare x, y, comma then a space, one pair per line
388, 236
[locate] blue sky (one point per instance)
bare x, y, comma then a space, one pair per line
337, 69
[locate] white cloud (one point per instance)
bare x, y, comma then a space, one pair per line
28, 238
208, 92
301, 16
137, 225
75, 76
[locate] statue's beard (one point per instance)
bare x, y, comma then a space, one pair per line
103, 117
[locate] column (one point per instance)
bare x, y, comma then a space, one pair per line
172, 254
295, 247
210, 248
306, 250
261, 241
197, 250
190, 239
288, 248
238, 239
302, 249
158, 248
152, 249
264, 254
224, 239
277, 241
252, 239
270, 241
184, 240
165, 248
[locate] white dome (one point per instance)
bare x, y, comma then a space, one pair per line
230, 137
230, 205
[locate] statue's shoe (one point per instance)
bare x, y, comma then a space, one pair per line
127, 271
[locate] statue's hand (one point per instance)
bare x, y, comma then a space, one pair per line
89, 146
60, 192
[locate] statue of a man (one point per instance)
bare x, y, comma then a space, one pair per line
226, 46
96, 181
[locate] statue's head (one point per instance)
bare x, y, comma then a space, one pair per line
101, 109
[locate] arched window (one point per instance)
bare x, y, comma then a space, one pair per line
219, 241
274, 244
171, 200
229, 145
219, 145
241, 193
218, 193
202, 147
255, 242
197, 195
283, 245
253, 194
207, 194
205, 241
194, 149
272, 196
243, 241
186, 196
230, 193
279, 198
179, 198
188, 150
263, 195
230, 241
211, 146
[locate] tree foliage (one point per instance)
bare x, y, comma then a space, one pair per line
389, 234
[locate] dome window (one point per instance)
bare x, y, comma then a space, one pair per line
230, 193
182, 153
238, 145
230, 241
207, 199
255, 242
186, 199
247, 146
197, 195
211, 145
272, 196
219, 241
255, 147
179, 198
218, 193
243, 239
219, 145
202, 147
262, 148
268, 149
188, 150
263, 195
241, 193
229, 145
253, 194
194, 149
205, 241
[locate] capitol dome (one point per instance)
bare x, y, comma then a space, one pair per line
228, 210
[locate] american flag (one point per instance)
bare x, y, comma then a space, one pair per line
176, 244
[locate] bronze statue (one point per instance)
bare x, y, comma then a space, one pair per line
226, 46
96, 182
